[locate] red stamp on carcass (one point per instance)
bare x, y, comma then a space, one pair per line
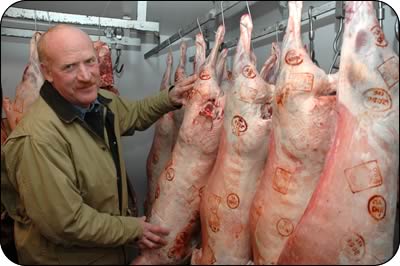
302, 81
353, 246
293, 58
377, 99
233, 200
284, 227
389, 71
204, 75
239, 125
249, 72
377, 207
281, 180
363, 176
379, 36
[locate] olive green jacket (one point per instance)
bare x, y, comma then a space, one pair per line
59, 181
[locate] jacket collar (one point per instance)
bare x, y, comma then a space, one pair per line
64, 109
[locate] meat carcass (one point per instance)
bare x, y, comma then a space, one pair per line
270, 69
28, 89
163, 142
105, 65
227, 77
226, 199
303, 123
351, 216
221, 66
179, 186
180, 74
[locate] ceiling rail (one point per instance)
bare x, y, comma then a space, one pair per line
328, 9
193, 26
57, 17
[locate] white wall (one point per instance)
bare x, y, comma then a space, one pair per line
142, 77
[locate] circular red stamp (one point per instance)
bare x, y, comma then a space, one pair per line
377, 99
284, 227
379, 36
353, 246
249, 72
233, 200
204, 75
293, 58
377, 207
239, 125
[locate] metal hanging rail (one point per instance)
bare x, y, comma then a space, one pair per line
29, 33
57, 17
193, 26
317, 11
112, 32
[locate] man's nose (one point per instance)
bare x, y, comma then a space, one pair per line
83, 73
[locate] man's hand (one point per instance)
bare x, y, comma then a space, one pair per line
177, 93
153, 235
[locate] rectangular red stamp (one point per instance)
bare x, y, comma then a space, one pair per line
389, 71
302, 81
281, 180
363, 176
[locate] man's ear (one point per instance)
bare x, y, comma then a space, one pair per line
46, 72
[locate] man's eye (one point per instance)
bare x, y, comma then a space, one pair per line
92, 61
69, 67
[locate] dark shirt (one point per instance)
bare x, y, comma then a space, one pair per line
93, 107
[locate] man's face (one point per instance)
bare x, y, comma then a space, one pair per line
72, 67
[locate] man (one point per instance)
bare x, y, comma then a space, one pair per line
63, 177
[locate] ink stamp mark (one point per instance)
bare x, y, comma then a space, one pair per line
389, 71
233, 200
204, 75
363, 176
377, 100
377, 207
379, 36
239, 125
249, 72
293, 58
284, 227
302, 81
353, 246
281, 180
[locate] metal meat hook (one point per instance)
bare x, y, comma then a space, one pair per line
116, 64
311, 35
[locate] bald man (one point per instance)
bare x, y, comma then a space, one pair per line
63, 179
